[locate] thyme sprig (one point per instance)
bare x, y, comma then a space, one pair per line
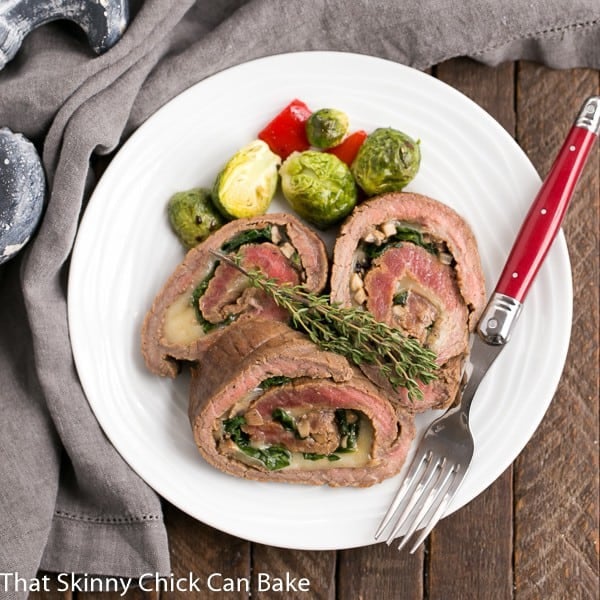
351, 332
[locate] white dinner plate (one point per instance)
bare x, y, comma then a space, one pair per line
125, 250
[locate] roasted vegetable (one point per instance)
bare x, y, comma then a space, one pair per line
247, 183
286, 133
386, 162
326, 127
318, 186
348, 149
193, 216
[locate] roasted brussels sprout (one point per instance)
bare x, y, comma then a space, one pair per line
247, 183
193, 216
326, 127
318, 186
386, 162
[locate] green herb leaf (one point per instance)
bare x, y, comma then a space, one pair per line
351, 332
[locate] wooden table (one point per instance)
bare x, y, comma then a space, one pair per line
534, 533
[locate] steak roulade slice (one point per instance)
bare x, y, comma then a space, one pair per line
267, 404
204, 295
413, 262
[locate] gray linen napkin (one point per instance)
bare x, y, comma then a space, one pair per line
68, 502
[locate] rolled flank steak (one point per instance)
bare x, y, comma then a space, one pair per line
413, 262
204, 296
267, 404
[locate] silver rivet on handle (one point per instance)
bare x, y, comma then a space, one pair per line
589, 116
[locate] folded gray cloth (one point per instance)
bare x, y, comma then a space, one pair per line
68, 502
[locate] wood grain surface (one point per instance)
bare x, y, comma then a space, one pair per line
556, 476
533, 534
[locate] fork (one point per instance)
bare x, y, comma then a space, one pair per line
439, 467
446, 450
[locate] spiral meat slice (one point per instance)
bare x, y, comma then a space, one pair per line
204, 296
267, 404
413, 262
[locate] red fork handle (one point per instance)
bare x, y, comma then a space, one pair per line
547, 212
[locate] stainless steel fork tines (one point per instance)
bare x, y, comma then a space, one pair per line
444, 453
438, 469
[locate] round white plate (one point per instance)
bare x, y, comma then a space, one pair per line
125, 251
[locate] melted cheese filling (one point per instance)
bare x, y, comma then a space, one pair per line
180, 325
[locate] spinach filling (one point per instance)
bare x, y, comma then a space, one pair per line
348, 425
250, 236
274, 457
245, 237
286, 421
403, 234
401, 298
315, 456
277, 457
369, 251
274, 381
198, 292
255, 236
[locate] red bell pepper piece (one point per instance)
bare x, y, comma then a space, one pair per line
286, 133
348, 149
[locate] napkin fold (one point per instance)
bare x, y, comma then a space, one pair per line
68, 501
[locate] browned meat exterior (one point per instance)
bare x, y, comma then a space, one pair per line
267, 404
203, 295
413, 262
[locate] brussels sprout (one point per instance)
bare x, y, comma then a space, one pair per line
326, 127
247, 183
318, 186
386, 162
193, 216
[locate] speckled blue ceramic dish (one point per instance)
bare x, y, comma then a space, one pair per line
22, 192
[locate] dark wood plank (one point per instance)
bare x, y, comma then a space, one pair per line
199, 551
65, 586
380, 572
131, 594
471, 551
312, 573
49, 588
491, 88
556, 479
55, 588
